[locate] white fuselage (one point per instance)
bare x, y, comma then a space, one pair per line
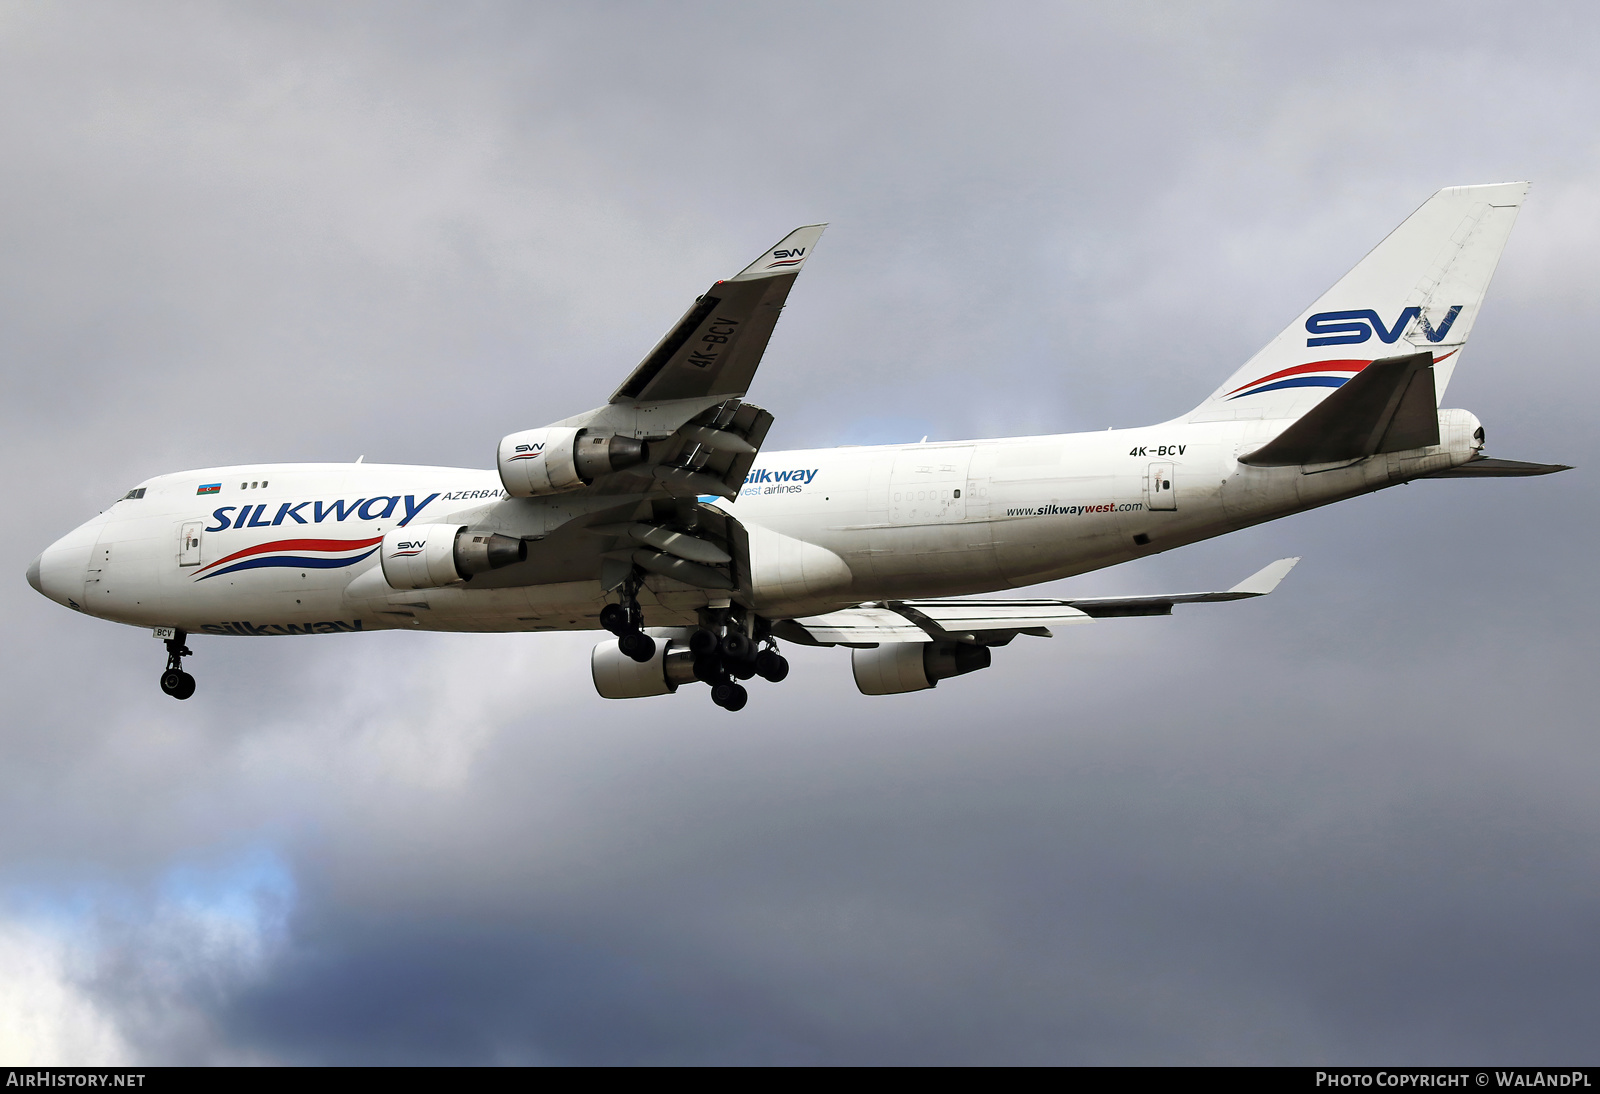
908, 521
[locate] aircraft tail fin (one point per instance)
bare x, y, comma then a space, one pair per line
1417, 292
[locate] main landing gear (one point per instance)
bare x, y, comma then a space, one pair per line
722, 660
729, 645
626, 621
175, 682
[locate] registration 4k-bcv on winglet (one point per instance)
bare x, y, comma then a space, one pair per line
659, 517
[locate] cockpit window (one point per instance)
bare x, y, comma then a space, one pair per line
135, 493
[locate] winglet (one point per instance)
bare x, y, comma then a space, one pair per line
715, 348
787, 256
1264, 580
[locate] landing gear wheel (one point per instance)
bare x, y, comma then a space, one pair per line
730, 696
703, 640
640, 647
735, 646
772, 666
614, 618
175, 682
741, 669
708, 668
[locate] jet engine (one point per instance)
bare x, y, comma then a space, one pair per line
618, 676
556, 459
426, 556
898, 667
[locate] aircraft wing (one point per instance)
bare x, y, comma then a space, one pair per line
685, 402
1260, 583
715, 348
686, 397
995, 622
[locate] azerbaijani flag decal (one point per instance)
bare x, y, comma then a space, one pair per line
303, 554
210, 488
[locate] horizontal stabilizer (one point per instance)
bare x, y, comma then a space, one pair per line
1389, 406
1487, 468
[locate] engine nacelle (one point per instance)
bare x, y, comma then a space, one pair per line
618, 676
896, 667
556, 459
426, 556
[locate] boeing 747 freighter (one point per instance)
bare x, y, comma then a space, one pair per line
659, 517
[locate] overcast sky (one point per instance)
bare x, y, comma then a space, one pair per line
1354, 822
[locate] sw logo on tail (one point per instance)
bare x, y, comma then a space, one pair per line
1342, 328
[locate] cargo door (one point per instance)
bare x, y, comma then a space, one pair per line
1158, 491
926, 486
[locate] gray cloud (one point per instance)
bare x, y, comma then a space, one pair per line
1351, 823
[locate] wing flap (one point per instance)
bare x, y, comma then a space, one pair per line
988, 622
865, 625
960, 616
721, 443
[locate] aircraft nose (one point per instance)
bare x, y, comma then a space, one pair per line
60, 569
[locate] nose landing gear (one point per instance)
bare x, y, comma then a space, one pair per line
174, 681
